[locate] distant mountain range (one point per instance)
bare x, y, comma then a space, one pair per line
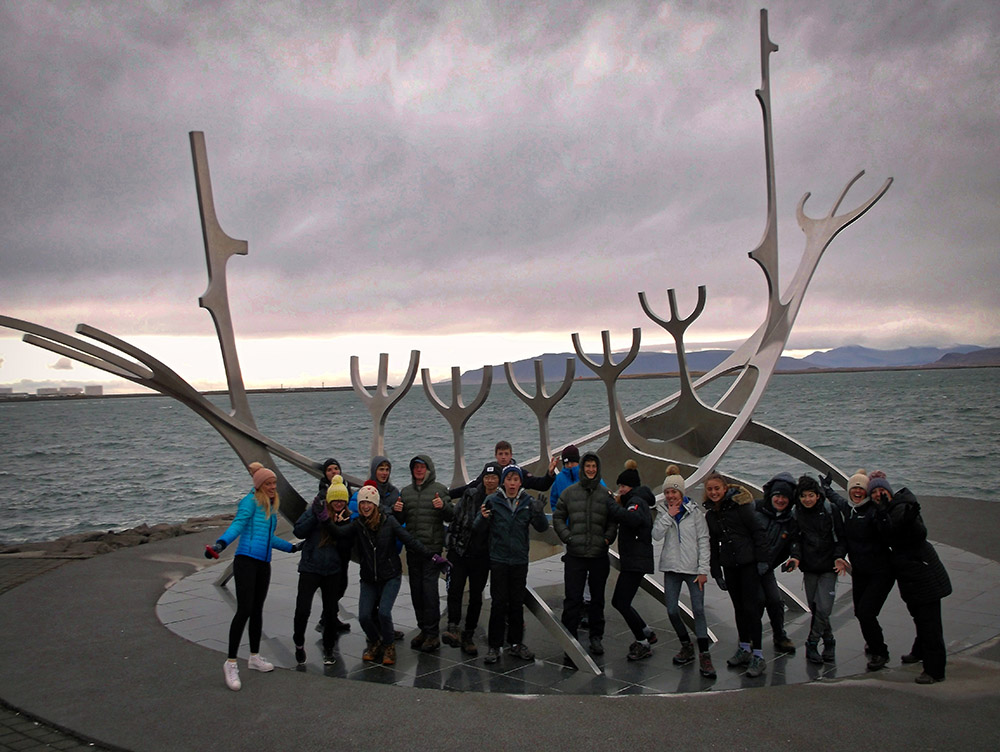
853, 356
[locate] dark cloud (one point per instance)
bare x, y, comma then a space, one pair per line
391, 164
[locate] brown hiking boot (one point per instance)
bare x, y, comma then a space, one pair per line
468, 645
431, 644
417, 642
451, 636
705, 665
389, 656
685, 655
374, 652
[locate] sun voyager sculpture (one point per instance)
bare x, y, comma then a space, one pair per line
681, 428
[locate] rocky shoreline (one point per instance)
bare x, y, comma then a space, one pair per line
86, 545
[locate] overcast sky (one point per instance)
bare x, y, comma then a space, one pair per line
478, 181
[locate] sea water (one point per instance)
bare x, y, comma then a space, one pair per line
69, 466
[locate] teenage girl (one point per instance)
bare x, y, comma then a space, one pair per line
254, 524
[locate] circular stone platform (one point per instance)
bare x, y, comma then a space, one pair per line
198, 610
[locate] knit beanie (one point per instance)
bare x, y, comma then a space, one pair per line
858, 480
674, 479
878, 480
571, 453
368, 493
781, 484
511, 469
491, 468
260, 475
337, 490
630, 475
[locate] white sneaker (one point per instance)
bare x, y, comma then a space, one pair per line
232, 672
259, 664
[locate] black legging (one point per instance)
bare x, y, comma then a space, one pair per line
252, 578
625, 590
743, 584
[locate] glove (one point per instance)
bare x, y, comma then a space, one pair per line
213, 551
721, 582
826, 480
320, 511
296, 547
762, 568
442, 562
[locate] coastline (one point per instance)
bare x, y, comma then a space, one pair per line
19, 398
87, 545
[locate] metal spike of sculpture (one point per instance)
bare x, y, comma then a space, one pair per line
679, 429
457, 413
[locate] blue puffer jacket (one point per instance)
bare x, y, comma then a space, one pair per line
255, 531
566, 478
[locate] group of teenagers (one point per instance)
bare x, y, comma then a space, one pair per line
875, 535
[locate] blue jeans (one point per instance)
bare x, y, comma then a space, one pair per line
382, 594
672, 582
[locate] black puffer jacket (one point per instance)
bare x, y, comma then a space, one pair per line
581, 516
463, 537
867, 549
635, 528
921, 576
316, 558
734, 531
819, 541
377, 548
779, 530
422, 520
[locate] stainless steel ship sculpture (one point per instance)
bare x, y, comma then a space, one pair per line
681, 429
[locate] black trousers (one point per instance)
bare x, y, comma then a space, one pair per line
329, 588
746, 593
472, 569
774, 604
252, 578
578, 570
869, 591
625, 590
929, 644
508, 583
424, 576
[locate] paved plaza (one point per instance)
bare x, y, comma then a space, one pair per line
125, 650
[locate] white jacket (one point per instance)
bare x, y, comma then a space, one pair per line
685, 544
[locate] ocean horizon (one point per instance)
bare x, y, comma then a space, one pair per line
70, 466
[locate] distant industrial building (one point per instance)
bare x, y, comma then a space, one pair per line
46, 391
71, 390
93, 391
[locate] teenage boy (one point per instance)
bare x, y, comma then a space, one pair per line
424, 507
775, 513
503, 453
469, 554
581, 521
818, 549
569, 474
508, 514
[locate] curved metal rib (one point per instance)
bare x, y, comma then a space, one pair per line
218, 248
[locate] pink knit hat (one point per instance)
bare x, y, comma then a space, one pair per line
262, 474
